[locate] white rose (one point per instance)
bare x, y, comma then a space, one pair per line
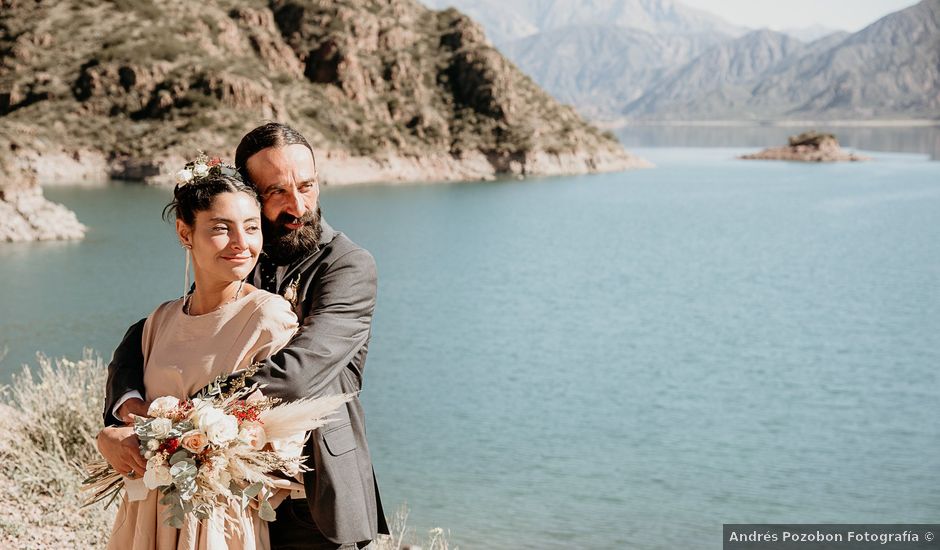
160, 427
219, 462
157, 474
162, 406
157, 477
252, 434
205, 415
184, 176
217, 469
200, 170
153, 444
223, 430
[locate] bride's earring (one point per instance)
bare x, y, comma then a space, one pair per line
187, 248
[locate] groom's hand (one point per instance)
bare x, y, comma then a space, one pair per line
131, 408
121, 448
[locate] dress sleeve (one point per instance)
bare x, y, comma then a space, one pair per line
277, 324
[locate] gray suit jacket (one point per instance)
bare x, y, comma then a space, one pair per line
335, 289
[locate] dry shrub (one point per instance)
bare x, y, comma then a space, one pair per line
48, 422
404, 538
58, 414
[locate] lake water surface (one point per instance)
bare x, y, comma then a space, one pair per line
623, 360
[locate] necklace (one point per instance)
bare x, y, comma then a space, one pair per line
188, 302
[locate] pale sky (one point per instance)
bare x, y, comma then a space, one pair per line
849, 15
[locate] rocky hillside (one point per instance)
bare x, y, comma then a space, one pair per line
387, 89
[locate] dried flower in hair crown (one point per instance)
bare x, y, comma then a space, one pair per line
201, 167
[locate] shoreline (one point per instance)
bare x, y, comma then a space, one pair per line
26, 215
618, 124
339, 168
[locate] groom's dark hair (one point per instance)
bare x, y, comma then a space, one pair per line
272, 134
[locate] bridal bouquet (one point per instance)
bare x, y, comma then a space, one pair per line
213, 450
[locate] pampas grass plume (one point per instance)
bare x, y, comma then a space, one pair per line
285, 420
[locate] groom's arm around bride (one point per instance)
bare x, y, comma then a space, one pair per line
332, 283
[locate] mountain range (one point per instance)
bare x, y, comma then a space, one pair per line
660, 60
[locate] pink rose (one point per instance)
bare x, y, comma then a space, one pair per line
195, 441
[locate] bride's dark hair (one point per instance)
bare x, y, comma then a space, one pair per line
197, 195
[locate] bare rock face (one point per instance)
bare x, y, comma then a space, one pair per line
31, 217
266, 40
156, 91
25, 215
809, 146
114, 88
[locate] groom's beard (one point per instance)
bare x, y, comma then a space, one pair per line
285, 245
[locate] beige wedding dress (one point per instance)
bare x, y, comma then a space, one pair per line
182, 354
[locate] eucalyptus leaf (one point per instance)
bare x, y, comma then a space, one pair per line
175, 519
184, 475
187, 491
252, 490
265, 511
178, 456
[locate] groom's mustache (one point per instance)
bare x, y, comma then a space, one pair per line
285, 245
283, 219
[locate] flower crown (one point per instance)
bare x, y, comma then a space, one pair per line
203, 167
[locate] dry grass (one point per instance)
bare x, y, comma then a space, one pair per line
48, 420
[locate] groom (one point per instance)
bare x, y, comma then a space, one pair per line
331, 282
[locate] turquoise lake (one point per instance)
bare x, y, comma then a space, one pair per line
623, 360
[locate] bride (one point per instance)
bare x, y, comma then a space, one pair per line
223, 326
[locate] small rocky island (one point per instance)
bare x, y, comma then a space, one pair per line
809, 146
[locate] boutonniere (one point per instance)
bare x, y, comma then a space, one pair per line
290, 293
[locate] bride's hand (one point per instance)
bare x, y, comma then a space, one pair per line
121, 448
131, 408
